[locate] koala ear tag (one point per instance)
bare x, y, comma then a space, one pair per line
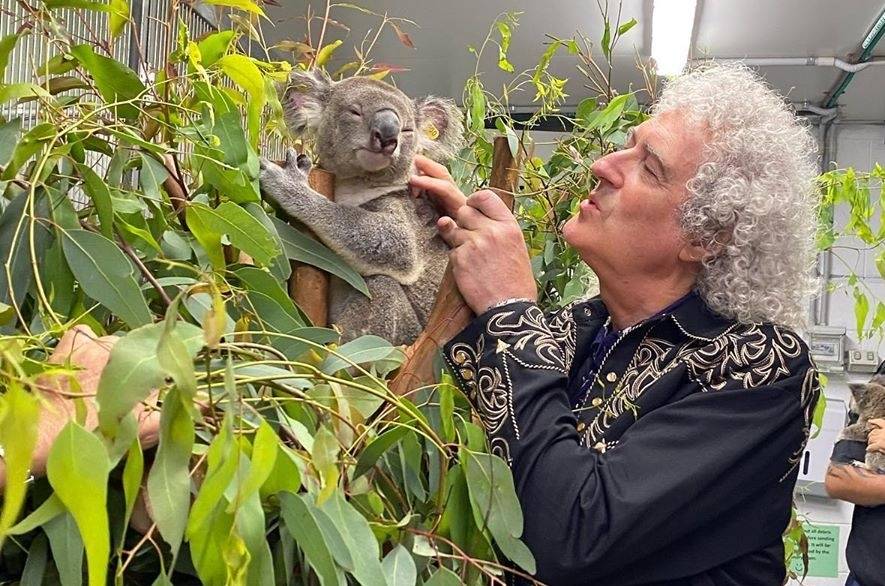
430, 130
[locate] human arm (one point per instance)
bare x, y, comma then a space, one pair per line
850, 482
82, 349
855, 484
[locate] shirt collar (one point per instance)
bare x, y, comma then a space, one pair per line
690, 314
696, 320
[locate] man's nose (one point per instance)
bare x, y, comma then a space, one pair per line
610, 168
385, 131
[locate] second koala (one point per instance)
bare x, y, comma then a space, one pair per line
869, 403
367, 134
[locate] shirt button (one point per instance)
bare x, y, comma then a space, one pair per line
599, 447
581, 426
596, 402
611, 377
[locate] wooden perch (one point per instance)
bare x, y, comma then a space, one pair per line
450, 313
309, 286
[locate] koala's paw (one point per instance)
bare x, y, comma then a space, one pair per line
876, 462
278, 181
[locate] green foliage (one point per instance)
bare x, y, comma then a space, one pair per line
282, 456
551, 189
852, 193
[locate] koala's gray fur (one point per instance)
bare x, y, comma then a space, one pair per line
869, 403
367, 133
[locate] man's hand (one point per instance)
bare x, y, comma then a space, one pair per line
489, 259
876, 438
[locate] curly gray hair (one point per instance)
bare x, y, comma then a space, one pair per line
753, 199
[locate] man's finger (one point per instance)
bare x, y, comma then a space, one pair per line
490, 205
470, 218
444, 194
451, 233
431, 168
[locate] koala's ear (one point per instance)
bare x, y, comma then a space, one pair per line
304, 99
440, 129
858, 391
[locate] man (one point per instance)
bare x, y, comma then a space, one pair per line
653, 431
850, 482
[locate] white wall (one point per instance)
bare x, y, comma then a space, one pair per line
859, 147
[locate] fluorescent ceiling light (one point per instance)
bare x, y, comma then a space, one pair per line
672, 25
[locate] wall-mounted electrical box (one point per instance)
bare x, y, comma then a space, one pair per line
827, 346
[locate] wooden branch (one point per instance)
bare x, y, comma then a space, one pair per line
309, 286
176, 188
450, 313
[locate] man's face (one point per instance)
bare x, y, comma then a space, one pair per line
629, 224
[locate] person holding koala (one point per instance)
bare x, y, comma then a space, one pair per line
654, 431
857, 475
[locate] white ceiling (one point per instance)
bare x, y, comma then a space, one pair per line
440, 62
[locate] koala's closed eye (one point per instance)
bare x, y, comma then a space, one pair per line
355, 111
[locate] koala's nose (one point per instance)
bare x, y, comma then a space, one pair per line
385, 131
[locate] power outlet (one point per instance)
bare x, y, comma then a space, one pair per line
860, 360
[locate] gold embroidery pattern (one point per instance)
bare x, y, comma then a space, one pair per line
489, 387
747, 354
486, 386
531, 337
750, 355
562, 327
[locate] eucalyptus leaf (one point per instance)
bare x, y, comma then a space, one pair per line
133, 371
360, 540
78, 468
444, 577
19, 414
307, 250
151, 177
244, 231
364, 349
399, 567
168, 485
495, 505
67, 549
105, 274
304, 529
9, 132
117, 83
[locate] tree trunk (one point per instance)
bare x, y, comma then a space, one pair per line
309, 286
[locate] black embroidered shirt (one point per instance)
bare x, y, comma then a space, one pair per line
676, 469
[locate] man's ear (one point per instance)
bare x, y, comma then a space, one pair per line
693, 253
304, 99
698, 252
439, 127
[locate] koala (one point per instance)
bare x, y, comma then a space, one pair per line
367, 133
869, 403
